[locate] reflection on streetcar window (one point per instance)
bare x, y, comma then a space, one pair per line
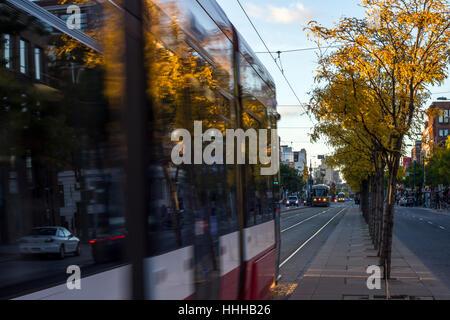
64, 184
60, 158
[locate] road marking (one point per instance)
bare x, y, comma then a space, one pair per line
307, 241
442, 227
295, 215
297, 224
429, 222
420, 219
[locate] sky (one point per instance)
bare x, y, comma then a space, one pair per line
281, 23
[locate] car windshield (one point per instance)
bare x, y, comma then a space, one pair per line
292, 198
43, 232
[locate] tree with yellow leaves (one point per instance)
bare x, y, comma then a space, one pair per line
394, 60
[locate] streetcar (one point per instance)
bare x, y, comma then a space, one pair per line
93, 152
341, 197
320, 195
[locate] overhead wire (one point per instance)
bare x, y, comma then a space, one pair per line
302, 105
298, 50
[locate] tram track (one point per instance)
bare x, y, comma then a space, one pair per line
301, 211
303, 221
315, 233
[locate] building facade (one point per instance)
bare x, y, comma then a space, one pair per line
416, 152
300, 160
28, 193
405, 162
437, 126
287, 155
325, 174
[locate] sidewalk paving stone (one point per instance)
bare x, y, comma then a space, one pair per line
338, 271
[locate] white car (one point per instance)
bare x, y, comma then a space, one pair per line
406, 201
50, 240
292, 201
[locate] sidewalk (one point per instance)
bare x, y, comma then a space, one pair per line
338, 272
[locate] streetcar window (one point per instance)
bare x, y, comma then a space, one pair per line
258, 189
320, 192
69, 162
64, 164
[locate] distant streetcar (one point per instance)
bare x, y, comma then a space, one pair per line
320, 196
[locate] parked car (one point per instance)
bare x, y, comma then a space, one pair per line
50, 240
406, 201
292, 201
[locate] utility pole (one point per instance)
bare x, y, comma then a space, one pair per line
415, 196
424, 173
424, 186
310, 183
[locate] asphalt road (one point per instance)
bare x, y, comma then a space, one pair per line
426, 233
304, 232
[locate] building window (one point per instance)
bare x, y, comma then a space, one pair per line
441, 133
7, 50
23, 57
37, 63
447, 116
445, 132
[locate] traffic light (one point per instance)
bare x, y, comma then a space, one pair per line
305, 174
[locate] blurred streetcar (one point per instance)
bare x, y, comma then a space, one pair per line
122, 82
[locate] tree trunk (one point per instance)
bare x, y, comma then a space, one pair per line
379, 209
364, 198
373, 206
388, 221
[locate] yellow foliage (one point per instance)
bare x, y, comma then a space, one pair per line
371, 89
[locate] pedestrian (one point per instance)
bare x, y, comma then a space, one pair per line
437, 200
447, 195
